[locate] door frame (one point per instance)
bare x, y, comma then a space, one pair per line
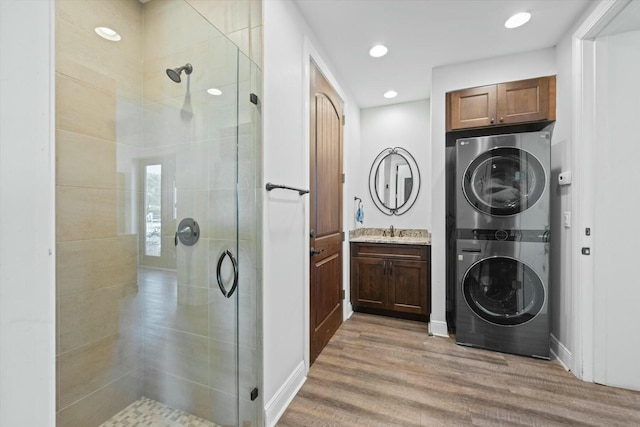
310, 53
583, 288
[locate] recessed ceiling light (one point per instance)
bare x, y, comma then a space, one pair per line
214, 91
391, 94
378, 51
518, 20
108, 33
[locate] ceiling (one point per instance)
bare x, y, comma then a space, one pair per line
424, 34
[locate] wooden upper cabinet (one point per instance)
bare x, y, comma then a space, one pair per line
473, 108
509, 103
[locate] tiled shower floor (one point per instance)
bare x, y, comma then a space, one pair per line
147, 412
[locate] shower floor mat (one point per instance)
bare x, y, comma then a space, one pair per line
147, 412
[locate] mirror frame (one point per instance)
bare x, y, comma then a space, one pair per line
415, 171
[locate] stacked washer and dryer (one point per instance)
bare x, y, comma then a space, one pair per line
502, 243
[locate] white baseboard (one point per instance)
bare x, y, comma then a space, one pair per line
347, 312
438, 328
561, 353
285, 394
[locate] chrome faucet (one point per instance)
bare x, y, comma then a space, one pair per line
391, 232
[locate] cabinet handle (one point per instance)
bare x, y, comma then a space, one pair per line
390, 267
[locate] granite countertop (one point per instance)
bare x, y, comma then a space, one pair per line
403, 236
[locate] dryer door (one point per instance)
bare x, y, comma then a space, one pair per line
503, 291
504, 181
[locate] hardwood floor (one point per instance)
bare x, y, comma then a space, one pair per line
379, 371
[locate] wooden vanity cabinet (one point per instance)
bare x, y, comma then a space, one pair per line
391, 279
517, 102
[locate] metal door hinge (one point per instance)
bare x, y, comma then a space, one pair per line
253, 98
342, 236
343, 294
343, 178
343, 120
254, 394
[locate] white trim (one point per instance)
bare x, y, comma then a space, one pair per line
309, 52
561, 353
438, 328
348, 310
306, 77
582, 287
285, 394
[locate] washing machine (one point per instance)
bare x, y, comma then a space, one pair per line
502, 291
503, 181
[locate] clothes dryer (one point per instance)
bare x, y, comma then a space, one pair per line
502, 296
503, 181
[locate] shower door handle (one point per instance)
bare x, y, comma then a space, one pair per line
223, 289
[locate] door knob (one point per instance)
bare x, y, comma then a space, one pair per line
316, 251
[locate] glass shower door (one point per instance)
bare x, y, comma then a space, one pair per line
189, 250
157, 220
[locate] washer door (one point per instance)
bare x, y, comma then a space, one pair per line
503, 291
504, 181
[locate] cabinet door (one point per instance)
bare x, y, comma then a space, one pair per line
408, 288
370, 280
472, 108
524, 101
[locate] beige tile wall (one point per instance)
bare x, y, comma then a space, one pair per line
239, 20
98, 110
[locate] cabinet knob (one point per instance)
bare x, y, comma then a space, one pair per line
492, 120
501, 119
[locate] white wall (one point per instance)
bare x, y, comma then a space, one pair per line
561, 307
288, 41
618, 200
27, 300
446, 79
405, 125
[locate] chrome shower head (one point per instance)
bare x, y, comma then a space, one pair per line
174, 73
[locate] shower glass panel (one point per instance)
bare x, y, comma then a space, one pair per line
249, 190
159, 156
190, 303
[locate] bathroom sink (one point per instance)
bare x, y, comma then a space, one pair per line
383, 235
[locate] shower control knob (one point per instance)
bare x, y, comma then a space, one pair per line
188, 232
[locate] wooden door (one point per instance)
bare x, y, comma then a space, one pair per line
325, 212
524, 101
370, 287
471, 108
408, 286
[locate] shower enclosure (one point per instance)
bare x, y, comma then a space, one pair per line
158, 151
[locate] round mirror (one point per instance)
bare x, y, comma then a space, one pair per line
394, 181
